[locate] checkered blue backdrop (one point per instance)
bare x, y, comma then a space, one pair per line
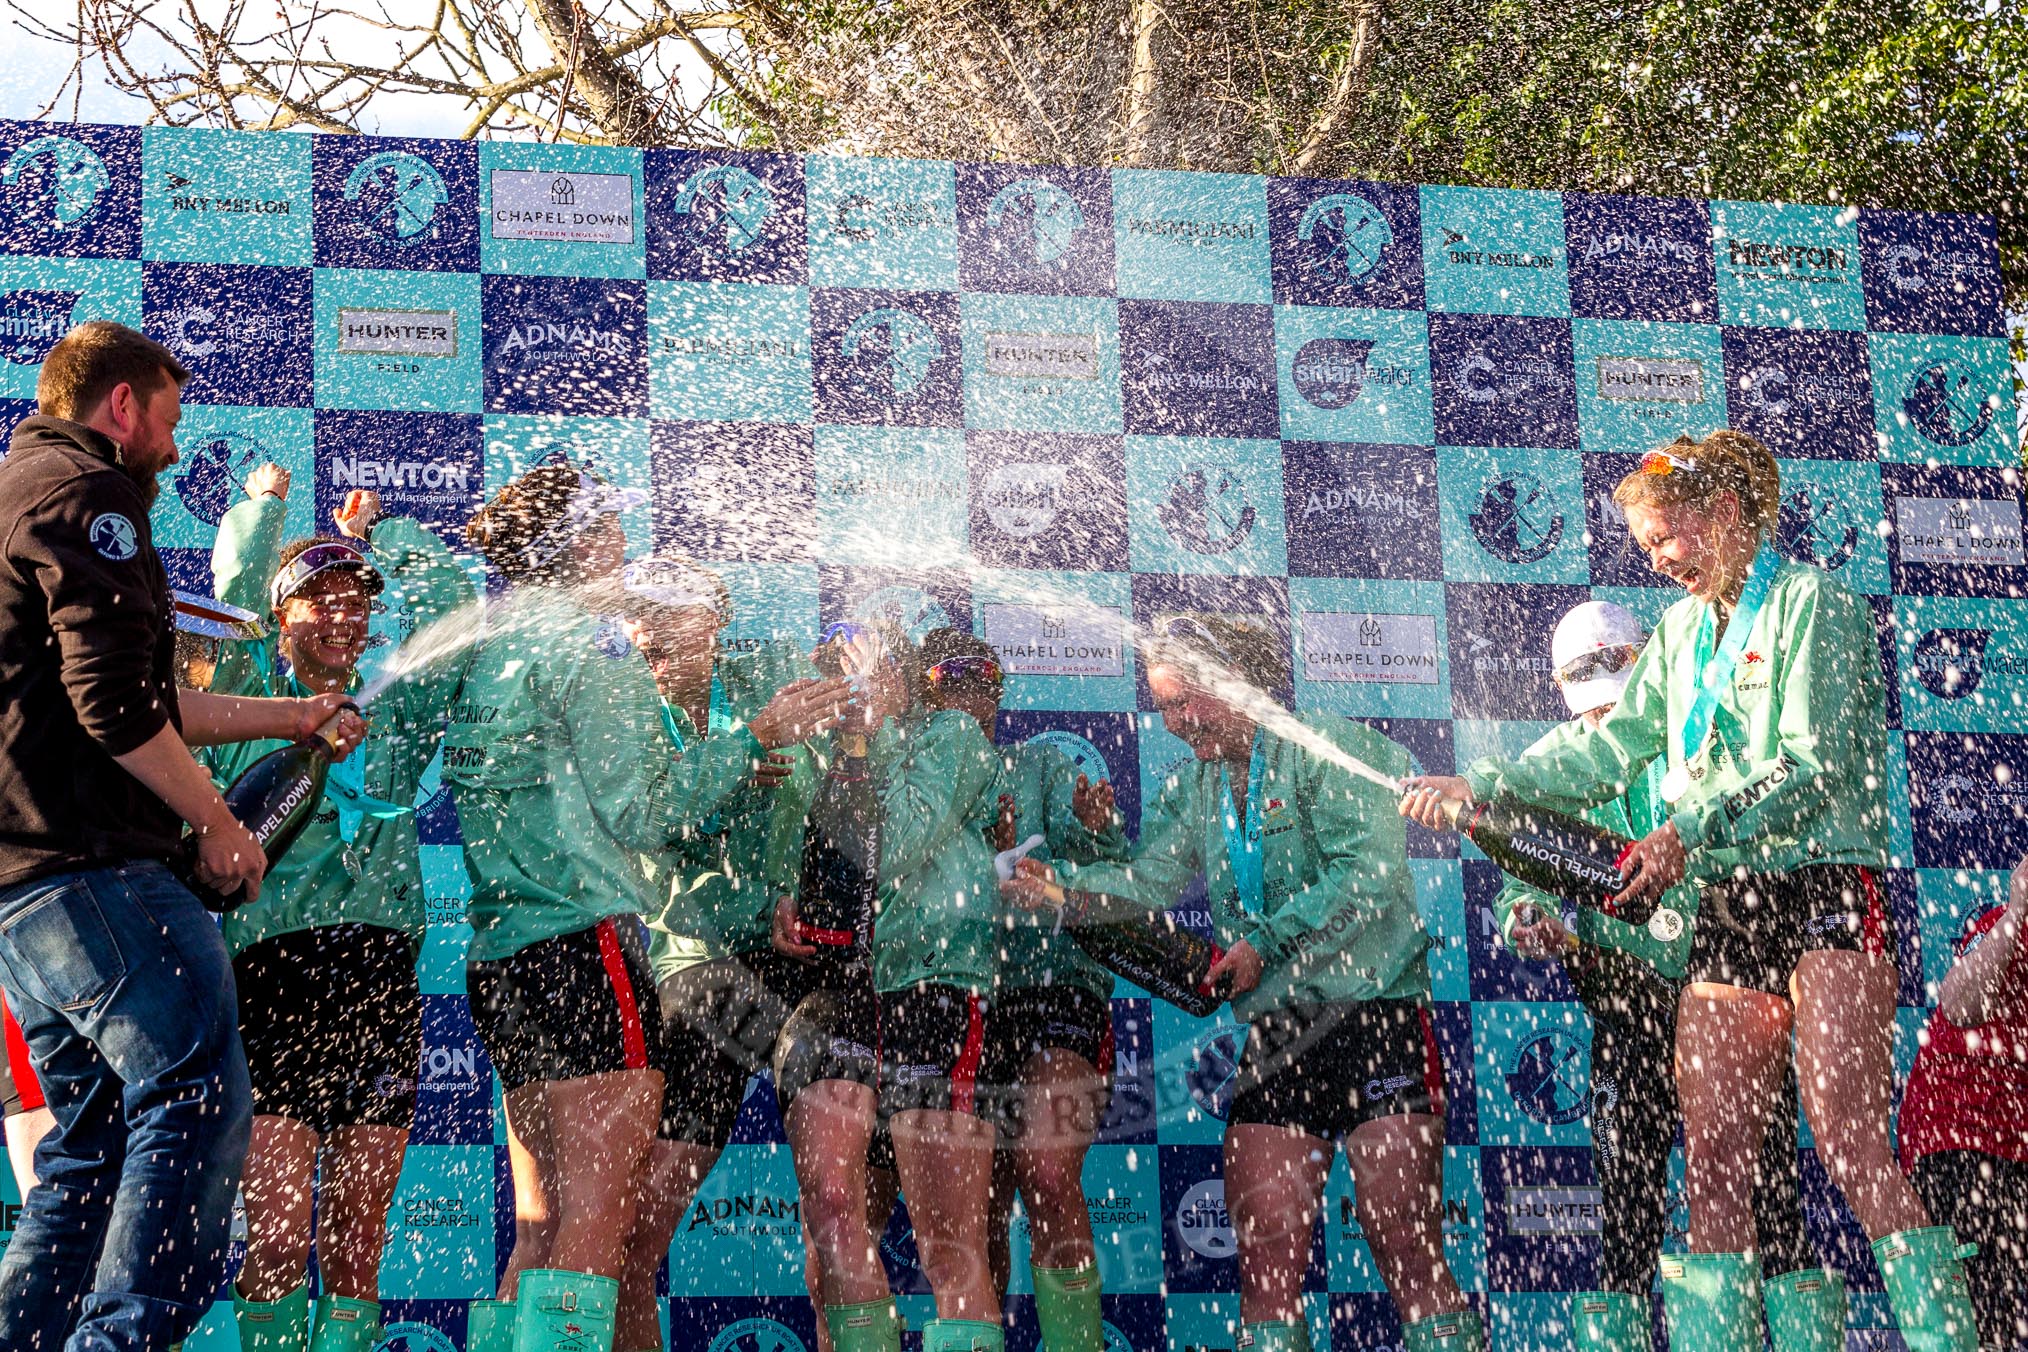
1034, 402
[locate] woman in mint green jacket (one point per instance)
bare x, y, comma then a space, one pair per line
324, 960
1306, 869
1761, 694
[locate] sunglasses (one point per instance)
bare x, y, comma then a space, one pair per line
844, 631
1589, 666
319, 559
955, 670
1661, 462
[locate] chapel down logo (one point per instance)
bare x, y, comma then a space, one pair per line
1816, 527
1208, 510
1034, 221
563, 207
1949, 403
54, 182
396, 196
892, 352
33, 320
1347, 236
1546, 1078
724, 208
1517, 520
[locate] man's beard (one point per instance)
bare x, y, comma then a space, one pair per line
145, 480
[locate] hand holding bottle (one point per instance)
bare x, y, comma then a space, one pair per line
1034, 886
228, 858
311, 715
1424, 799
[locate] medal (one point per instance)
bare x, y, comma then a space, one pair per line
1665, 925
354, 866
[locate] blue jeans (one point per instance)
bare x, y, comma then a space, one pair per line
120, 981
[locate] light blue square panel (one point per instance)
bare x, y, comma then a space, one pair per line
1491, 252
1641, 384
398, 340
1041, 363
1209, 505
553, 210
892, 496
1353, 375
616, 449
1942, 399
1786, 266
882, 225
42, 299
728, 352
1191, 236
225, 197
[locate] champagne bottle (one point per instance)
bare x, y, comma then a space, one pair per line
841, 857
1553, 852
1146, 947
274, 800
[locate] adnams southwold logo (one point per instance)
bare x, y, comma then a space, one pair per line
747, 1215
1346, 234
1951, 403
724, 208
1023, 498
1640, 246
564, 208
1207, 509
1518, 519
396, 196
1546, 1078
33, 320
54, 182
1034, 221
892, 352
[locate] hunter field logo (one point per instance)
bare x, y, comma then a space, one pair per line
32, 321
1043, 356
1949, 662
1517, 519
1361, 648
1816, 527
1347, 236
1203, 1221
1207, 510
1668, 380
757, 1335
892, 352
725, 208
1948, 403
408, 333
1546, 1078
114, 537
213, 475
1023, 498
571, 208
54, 182
1554, 1211
1330, 372
396, 196
1034, 221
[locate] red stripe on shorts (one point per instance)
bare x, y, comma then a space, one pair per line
1432, 1063
21, 1065
1875, 919
965, 1074
632, 1039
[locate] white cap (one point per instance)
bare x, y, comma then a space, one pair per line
1589, 628
675, 582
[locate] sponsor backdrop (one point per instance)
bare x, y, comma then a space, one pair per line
1045, 403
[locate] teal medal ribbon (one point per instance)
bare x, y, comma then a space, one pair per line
345, 789
1243, 838
717, 720
1715, 670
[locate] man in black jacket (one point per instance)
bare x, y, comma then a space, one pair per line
116, 974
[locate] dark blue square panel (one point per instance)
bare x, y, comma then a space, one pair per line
566, 345
725, 216
1453, 1021
1496, 973
1968, 799
735, 492
1048, 500
1615, 560
1362, 511
1808, 394
1198, 1251
244, 332
1035, 231
425, 466
1543, 1217
1347, 242
1928, 272
888, 357
1101, 746
1497, 380
70, 191
1130, 1117
1640, 258
1956, 531
396, 203
1499, 636
1431, 745
1198, 369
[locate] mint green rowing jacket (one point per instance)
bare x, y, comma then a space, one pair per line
1033, 951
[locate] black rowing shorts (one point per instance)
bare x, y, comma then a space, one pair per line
565, 1008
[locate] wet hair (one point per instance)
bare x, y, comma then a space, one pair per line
941, 645
1723, 462
518, 516
94, 359
1247, 646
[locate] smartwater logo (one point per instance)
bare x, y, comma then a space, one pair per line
1204, 1223
32, 321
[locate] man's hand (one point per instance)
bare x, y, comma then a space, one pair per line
799, 711
786, 931
1239, 970
357, 514
314, 712
1423, 798
1654, 864
1034, 886
268, 481
1092, 804
228, 857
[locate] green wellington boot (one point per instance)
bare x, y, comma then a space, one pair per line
1805, 1311
1610, 1321
273, 1325
1067, 1308
874, 1326
489, 1326
962, 1335
1274, 1335
1460, 1331
345, 1325
1711, 1301
558, 1311
1925, 1282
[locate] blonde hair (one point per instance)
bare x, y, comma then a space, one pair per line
1700, 472
1246, 646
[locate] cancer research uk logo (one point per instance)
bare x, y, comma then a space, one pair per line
54, 182
1517, 520
1546, 1078
1949, 403
409, 1336
1347, 236
724, 208
33, 320
1208, 510
396, 196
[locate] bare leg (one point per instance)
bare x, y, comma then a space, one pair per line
1398, 1175
362, 1167
829, 1126
945, 1160
1060, 1093
1274, 1183
1000, 1214
281, 1171
528, 1158
600, 1129
675, 1171
1729, 1047
25, 1131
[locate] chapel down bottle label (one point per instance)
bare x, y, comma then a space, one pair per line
1146, 947
274, 800
1552, 852
841, 857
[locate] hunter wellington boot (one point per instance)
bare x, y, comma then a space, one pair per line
1067, 1308
346, 1325
1805, 1311
1460, 1331
962, 1335
1610, 1321
1926, 1286
273, 1325
489, 1326
558, 1311
1711, 1301
872, 1327
1274, 1335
